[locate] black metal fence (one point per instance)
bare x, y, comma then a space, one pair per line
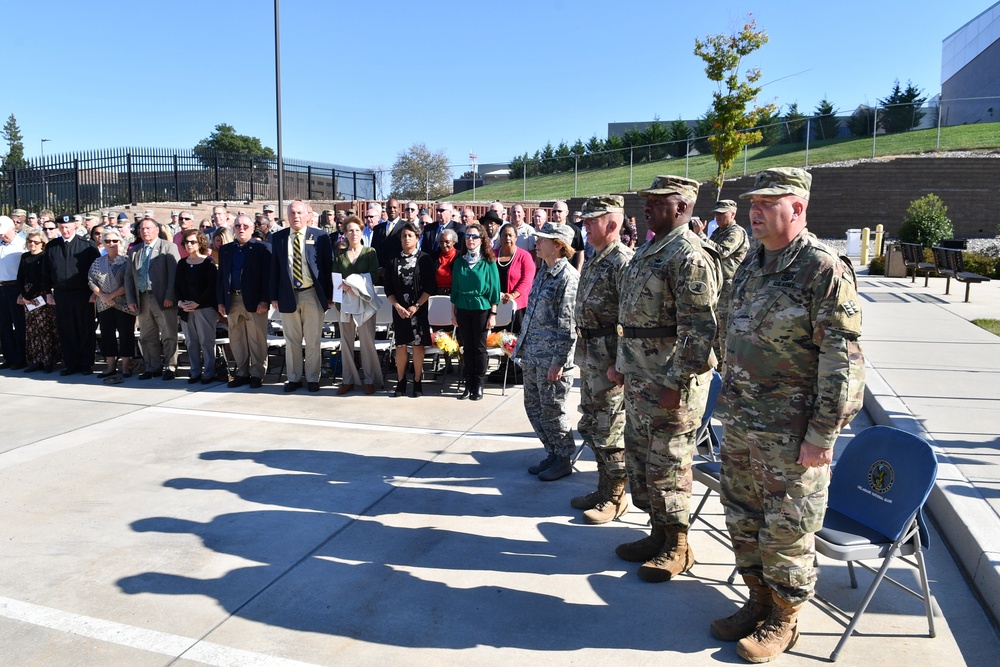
114, 177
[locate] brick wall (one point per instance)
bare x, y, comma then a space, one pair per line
875, 193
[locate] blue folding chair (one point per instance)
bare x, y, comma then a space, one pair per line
876, 498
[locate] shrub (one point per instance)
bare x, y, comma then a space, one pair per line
876, 267
926, 222
977, 262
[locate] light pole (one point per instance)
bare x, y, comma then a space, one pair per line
45, 185
473, 157
277, 99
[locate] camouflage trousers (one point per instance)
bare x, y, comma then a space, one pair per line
722, 319
660, 445
602, 419
773, 508
545, 405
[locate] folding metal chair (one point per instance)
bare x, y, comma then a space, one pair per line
876, 498
505, 315
439, 317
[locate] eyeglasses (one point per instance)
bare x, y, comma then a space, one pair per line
49, 229
187, 219
369, 216
472, 237
242, 226
411, 208
191, 242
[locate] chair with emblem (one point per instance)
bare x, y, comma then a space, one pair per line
875, 511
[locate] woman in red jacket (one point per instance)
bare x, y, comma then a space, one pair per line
517, 272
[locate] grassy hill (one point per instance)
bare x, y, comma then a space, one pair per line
702, 167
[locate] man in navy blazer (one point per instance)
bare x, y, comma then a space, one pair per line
429, 239
301, 299
243, 291
385, 237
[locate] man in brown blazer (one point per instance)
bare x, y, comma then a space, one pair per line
149, 289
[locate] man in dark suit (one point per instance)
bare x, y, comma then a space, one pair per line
149, 290
385, 238
243, 293
67, 260
429, 238
301, 288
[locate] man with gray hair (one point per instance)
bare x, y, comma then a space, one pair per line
525, 232
560, 215
373, 214
429, 240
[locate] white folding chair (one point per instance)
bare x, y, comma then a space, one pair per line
505, 315
439, 317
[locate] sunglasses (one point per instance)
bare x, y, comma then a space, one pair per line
242, 226
112, 242
472, 236
34, 242
49, 229
191, 242
187, 219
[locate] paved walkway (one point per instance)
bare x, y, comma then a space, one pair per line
152, 523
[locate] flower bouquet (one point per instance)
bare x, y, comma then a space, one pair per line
446, 343
505, 340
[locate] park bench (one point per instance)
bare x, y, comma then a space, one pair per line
913, 258
949, 264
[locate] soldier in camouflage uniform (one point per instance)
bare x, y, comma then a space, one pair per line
545, 347
793, 377
731, 241
602, 424
666, 326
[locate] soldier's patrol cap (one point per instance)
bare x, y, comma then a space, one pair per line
595, 207
724, 206
148, 213
329, 211
77, 218
19, 211
31, 216
91, 216
672, 185
781, 181
553, 230
268, 208
173, 213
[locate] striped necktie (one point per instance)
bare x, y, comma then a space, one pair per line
297, 259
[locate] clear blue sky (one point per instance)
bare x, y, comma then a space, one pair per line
362, 81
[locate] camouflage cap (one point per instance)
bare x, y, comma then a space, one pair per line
670, 185
781, 181
595, 207
91, 216
19, 211
554, 230
268, 208
32, 216
724, 206
148, 213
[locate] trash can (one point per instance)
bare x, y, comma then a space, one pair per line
853, 242
895, 267
954, 244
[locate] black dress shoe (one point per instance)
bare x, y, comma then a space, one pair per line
465, 394
292, 386
108, 373
313, 387
17, 365
47, 368
86, 370
256, 383
145, 375
239, 381
194, 380
208, 380
477, 394
67, 371
33, 367
169, 374
5, 365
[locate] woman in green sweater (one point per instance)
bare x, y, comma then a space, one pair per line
357, 258
475, 293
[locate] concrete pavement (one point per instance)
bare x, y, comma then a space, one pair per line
152, 523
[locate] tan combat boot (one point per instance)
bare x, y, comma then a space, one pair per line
775, 636
675, 557
612, 506
594, 498
749, 617
642, 550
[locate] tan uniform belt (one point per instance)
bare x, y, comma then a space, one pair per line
648, 332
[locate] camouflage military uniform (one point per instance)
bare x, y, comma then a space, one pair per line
548, 335
794, 370
732, 244
602, 424
666, 329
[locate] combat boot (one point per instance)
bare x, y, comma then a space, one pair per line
749, 617
642, 550
777, 634
675, 557
594, 498
611, 507
560, 468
